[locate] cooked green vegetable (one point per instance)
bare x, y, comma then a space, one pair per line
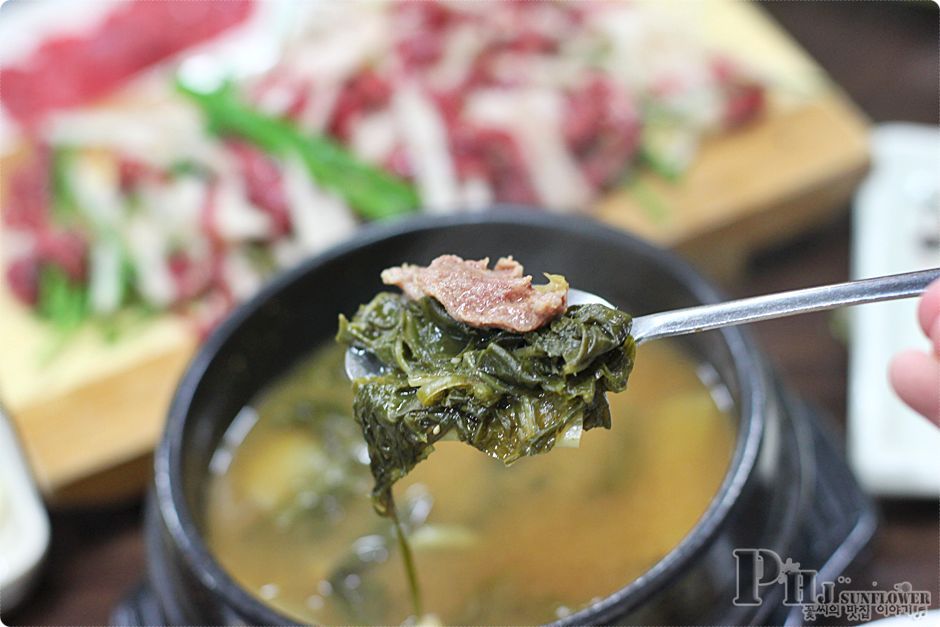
62, 301
64, 205
370, 191
507, 394
652, 203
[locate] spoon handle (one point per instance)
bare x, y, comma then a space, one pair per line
705, 317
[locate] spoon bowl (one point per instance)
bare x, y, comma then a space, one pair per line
361, 363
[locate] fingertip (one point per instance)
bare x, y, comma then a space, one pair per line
928, 310
934, 336
915, 376
900, 366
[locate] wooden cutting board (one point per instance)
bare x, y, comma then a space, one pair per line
767, 182
90, 418
792, 171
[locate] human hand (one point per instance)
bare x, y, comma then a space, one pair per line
914, 374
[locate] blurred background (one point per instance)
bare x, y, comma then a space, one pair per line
161, 160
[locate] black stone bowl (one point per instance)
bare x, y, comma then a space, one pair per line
786, 490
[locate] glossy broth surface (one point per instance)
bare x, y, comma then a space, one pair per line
289, 516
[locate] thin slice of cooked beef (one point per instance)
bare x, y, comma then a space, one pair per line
501, 298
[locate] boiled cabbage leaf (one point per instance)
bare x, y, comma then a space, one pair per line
508, 394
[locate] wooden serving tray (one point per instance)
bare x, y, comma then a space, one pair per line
91, 417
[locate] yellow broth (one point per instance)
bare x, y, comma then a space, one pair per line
289, 516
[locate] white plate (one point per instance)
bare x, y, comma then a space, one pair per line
896, 214
24, 525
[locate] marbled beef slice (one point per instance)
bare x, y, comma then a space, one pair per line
501, 298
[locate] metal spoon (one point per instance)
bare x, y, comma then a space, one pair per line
360, 363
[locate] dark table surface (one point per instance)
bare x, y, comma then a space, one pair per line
885, 55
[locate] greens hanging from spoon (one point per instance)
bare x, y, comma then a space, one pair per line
483, 355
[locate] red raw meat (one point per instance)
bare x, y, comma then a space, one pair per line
264, 184
68, 71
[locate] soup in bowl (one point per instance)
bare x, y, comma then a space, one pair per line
290, 518
261, 514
